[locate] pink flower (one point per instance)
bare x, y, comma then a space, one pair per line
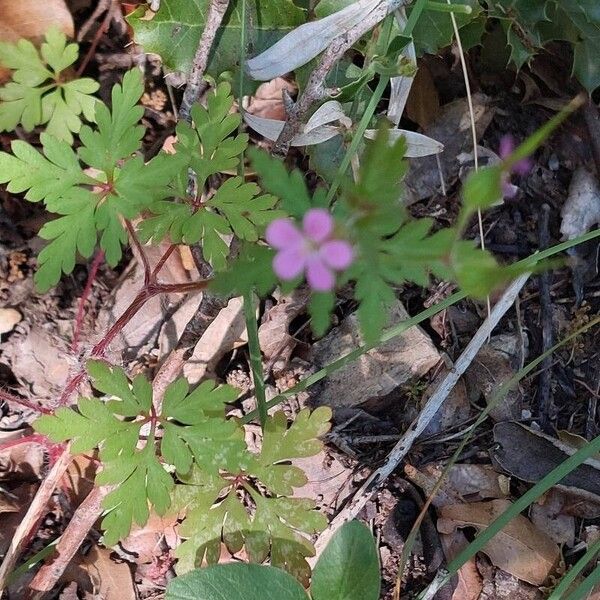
521, 167
311, 250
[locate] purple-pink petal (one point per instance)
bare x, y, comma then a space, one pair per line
283, 233
337, 254
320, 278
507, 145
289, 263
317, 224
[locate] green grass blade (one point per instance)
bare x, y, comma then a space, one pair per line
586, 586
565, 583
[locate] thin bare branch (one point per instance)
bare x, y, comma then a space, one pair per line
316, 89
214, 18
36, 511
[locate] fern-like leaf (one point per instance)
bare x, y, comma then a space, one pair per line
39, 94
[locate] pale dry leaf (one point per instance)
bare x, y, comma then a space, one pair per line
9, 317
378, 372
224, 334
581, 211
22, 462
494, 364
305, 42
423, 104
520, 549
163, 318
144, 543
276, 343
41, 362
547, 514
10, 520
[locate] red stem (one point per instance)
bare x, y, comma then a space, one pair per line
22, 402
84, 297
163, 259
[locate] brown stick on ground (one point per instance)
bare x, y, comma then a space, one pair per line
214, 18
35, 513
84, 518
316, 89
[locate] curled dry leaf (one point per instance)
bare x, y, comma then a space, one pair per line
226, 332
452, 129
538, 455
99, 576
267, 102
464, 482
520, 549
547, 514
470, 582
275, 341
40, 361
495, 364
22, 462
10, 519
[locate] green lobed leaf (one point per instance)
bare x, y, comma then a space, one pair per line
94, 425
38, 94
140, 480
250, 271
118, 133
174, 31
278, 526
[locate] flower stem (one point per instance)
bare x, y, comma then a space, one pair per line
255, 357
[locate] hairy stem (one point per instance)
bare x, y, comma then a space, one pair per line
98, 259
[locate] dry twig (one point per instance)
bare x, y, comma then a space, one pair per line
193, 89
316, 89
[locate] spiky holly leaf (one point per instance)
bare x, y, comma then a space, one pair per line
39, 92
236, 208
278, 525
121, 189
174, 31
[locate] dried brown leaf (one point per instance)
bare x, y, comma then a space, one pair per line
520, 549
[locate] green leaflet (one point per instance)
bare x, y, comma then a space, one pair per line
175, 30
192, 429
278, 526
236, 208
38, 95
89, 206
